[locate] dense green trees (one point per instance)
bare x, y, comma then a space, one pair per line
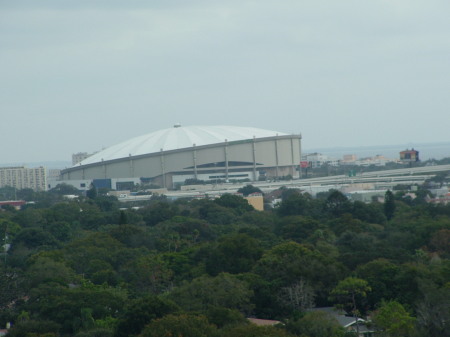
337, 204
85, 268
180, 325
13, 288
65, 305
394, 320
235, 202
298, 228
235, 253
249, 189
223, 290
389, 205
316, 324
382, 276
44, 328
295, 203
286, 264
350, 294
251, 330
140, 312
433, 309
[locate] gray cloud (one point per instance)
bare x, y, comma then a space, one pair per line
79, 75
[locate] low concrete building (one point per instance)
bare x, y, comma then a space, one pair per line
256, 200
316, 160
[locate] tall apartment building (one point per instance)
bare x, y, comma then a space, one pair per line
409, 156
21, 177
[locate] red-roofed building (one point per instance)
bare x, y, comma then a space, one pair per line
444, 200
17, 204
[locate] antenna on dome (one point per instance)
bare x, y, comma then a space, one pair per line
177, 125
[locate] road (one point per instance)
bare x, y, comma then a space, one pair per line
414, 175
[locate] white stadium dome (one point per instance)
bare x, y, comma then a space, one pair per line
178, 137
170, 157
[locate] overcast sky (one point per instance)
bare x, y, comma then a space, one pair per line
81, 75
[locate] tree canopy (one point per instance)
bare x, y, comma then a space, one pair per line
89, 267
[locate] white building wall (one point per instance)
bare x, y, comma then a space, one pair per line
22, 177
278, 156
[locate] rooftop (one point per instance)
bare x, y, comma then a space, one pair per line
178, 137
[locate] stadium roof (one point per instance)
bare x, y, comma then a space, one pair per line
178, 137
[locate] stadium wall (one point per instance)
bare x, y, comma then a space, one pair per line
272, 157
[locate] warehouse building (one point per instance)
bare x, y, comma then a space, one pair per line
170, 157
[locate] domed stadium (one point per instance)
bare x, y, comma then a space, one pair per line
172, 156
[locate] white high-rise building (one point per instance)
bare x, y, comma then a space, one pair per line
21, 177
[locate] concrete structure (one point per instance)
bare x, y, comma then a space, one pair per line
316, 160
82, 185
377, 160
367, 196
53, 176
210, 153
349, 158
256, 200
21, 177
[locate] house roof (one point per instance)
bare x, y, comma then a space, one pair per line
343, 320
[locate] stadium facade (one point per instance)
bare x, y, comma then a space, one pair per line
171, 156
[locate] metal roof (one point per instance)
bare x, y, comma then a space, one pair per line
178, 137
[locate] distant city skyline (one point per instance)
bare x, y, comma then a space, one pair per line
84, 75
426, 150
